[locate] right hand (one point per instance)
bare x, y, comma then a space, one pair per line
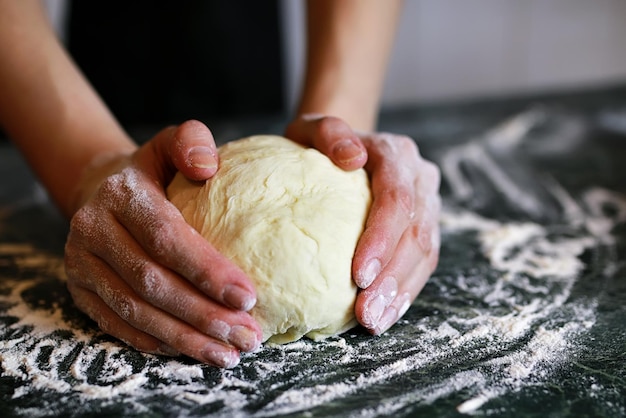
141, 272
399, 247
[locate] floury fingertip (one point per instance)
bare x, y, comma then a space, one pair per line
374, 312
220, 356
369, 273
388, 318
239, 298
244, 338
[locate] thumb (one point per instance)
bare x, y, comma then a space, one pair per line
188, 148
193, 151
331, 136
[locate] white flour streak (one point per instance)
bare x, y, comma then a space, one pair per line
522, 328
504, 138
475, 154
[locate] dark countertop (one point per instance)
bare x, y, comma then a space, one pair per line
525, 316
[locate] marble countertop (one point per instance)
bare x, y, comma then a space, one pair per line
525, 315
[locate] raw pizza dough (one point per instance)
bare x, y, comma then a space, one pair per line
290, 219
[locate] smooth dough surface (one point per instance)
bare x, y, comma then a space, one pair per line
290, 219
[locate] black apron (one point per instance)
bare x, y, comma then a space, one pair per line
160, 62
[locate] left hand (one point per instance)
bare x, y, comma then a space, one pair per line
146, 276
399, 248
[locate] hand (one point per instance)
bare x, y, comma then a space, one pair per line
399, 247
137, 268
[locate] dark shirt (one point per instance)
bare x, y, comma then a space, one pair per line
158, 62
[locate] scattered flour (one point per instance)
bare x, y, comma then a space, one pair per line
525, 289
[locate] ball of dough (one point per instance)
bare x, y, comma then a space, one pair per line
290, 219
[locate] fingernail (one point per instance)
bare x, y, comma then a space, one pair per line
312, 116
388, 288
166, 350
202, 157
386, 320
391, 315
238, 297
406, 304
244, 338
220, 356
219, 329
369, 273
387, 291
374, 311
345, 151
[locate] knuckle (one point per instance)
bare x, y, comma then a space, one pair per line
124, 194
386, 144
402, 197
127, 309
435, 249
326, 125
86, 306
160, 237
122, 303
424, 238
142, 344
110, 188
431, 168
71, 264
81, 223
105, 324
402, 146
432, 172
180, 341
406, 145
75, 266
147, 280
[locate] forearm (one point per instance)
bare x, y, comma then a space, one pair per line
47, 107
348, 47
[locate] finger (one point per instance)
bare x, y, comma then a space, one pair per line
429, 181
373, 302
140, 315
386, 300
110, 323
400, 304
163, 232
164, 235
331, 136
189, 148
392, 166
164, 289
193, 150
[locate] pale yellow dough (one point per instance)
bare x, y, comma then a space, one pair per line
289, 218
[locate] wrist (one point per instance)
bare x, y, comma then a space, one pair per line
358, 118
334, 97
93, 175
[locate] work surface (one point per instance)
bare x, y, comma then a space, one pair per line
525, 316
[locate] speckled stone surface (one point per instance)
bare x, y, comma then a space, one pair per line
525, 316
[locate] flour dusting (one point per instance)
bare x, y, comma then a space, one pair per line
502, 320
